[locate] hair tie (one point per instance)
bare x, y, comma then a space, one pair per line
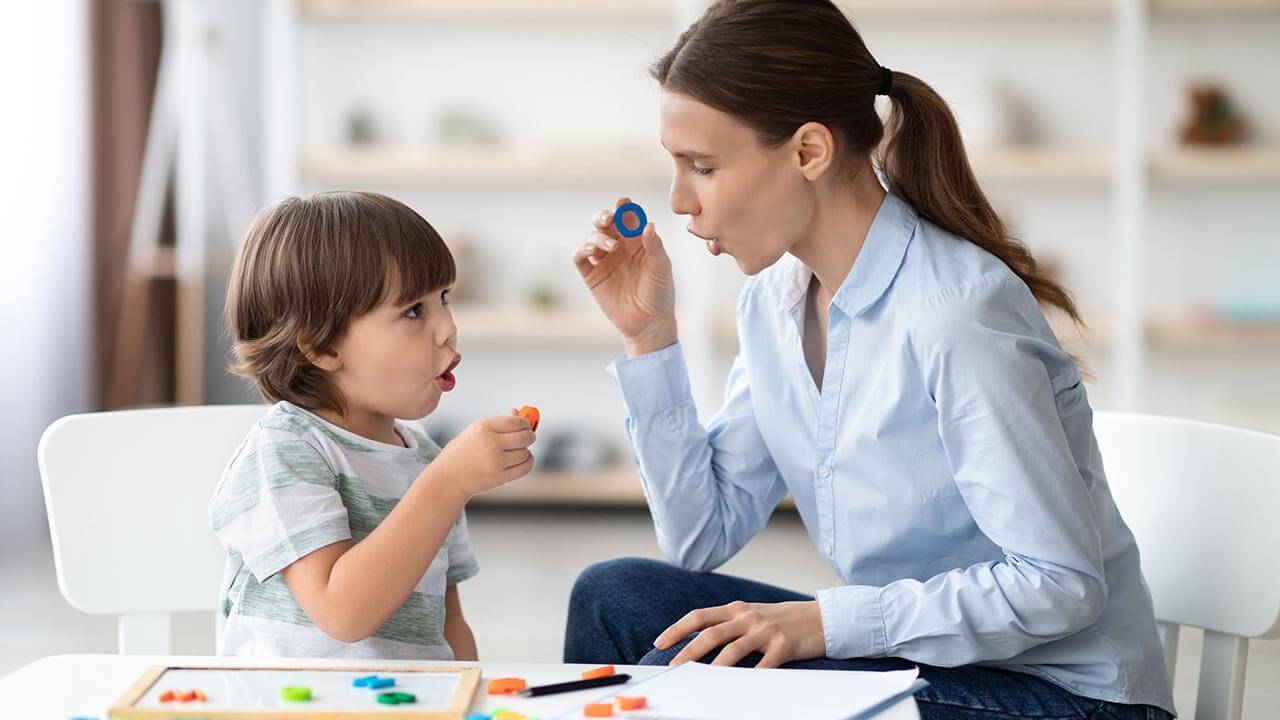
886, 81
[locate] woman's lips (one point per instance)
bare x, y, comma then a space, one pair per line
713, 244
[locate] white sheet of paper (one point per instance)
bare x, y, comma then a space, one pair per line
695, 691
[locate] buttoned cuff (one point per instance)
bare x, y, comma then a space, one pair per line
653, 383
853, 622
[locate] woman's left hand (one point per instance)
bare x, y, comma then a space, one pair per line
781, 632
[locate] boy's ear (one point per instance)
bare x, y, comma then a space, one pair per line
327, 361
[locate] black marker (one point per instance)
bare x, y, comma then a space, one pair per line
575, 685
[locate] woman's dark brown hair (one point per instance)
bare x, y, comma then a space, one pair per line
777, 64
307, 268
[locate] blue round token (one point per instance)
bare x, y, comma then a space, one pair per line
641, 220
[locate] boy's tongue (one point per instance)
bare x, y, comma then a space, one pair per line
446, 382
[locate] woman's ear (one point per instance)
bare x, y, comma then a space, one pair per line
327, 361
815, 149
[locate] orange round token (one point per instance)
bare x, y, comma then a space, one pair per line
506, 686
530, 413
630, 703
602, 671
598, 710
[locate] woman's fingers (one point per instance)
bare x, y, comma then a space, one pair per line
733, 653
773, 656
692, 622
708, 640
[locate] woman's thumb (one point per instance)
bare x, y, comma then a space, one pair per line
652, 243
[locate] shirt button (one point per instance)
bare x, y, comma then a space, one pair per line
824, 471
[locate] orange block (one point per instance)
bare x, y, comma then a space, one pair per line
530, 413
598, 710
187, 696
631, 703
506, 686
602, 671
168, 696
201, 696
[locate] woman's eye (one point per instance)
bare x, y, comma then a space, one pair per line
414, 312
700, 170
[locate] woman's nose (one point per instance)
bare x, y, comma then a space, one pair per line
682, 201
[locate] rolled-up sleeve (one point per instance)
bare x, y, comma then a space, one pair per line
709, 490
996, 375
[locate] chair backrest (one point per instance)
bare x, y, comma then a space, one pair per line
1203, 501
127, 496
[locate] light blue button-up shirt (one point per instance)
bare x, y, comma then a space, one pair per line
946, 468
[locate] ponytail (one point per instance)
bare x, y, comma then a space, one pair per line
923, 161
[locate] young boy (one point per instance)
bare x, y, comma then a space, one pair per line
344, 526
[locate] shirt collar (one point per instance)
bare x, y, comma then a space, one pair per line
875, 268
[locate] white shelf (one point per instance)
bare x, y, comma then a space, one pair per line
1016, 164
617, 486
530, 327
665, 11
1179, 336
984, 9
658, 11
486, 166
1217, 8
1208, 164
623, 163
1213, 337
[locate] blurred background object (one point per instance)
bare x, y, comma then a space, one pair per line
1134, 145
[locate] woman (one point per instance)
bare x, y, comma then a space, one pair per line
896, 375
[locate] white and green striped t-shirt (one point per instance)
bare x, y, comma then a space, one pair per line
296, 484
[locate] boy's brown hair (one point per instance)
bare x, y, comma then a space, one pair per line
307, 268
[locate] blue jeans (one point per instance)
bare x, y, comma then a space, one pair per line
618, 607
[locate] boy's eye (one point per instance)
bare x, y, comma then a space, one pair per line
414, 312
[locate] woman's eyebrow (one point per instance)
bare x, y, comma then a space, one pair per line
689, 154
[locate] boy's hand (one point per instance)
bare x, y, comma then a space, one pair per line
489, 453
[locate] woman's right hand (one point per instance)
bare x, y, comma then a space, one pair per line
489, 453
631, 281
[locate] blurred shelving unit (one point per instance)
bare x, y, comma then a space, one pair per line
1127, 171
483, 167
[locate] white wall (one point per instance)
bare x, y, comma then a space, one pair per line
44, 252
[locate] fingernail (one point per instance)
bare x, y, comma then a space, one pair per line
610, 244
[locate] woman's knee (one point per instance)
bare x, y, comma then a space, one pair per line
614, 582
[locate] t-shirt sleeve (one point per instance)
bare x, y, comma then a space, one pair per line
278, 503
462, 561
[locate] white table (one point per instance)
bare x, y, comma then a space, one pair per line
66, 686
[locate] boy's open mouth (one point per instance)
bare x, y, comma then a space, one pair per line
445, 380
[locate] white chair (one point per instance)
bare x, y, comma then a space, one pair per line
127, 495
1203, 501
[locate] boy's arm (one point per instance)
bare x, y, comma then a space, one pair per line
350, 589
456, 630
